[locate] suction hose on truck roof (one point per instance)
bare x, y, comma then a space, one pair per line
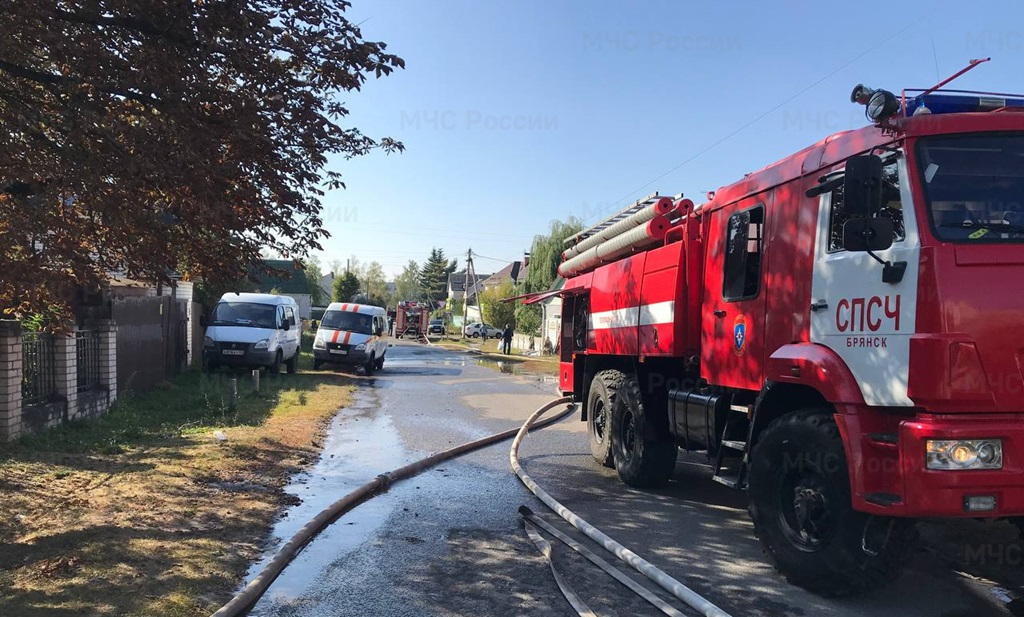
247, 597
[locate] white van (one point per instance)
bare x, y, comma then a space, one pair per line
248, 330
352, 334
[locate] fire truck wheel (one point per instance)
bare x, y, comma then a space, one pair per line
643, 457
800, 504
316, 365
380, 364
600, 401
370, 365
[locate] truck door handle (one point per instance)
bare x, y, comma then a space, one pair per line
719, 313
820, 305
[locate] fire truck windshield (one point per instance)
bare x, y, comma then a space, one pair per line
974, 186
348, 321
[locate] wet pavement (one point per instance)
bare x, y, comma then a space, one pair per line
450, 542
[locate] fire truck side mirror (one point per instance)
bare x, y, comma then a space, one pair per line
874, 234
862, 186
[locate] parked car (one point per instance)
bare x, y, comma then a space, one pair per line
477, 329
436, 326
248, 330
352, 334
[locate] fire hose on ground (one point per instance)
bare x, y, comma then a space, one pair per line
248, 596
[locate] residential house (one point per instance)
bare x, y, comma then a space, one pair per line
514, 272
294, 286
327, 284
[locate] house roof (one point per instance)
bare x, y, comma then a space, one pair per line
457, 281
515, 271
296, 284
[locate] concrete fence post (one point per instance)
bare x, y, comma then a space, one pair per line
10, 380
106, 329
65, 368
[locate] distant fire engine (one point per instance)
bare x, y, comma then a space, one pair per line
842, 333
411, 318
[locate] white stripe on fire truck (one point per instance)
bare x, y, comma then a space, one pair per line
644, 315
657, 313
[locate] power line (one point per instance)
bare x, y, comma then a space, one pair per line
762, 116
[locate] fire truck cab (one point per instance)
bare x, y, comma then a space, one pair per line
841, 333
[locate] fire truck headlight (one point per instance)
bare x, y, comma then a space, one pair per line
361, 347
960, 454
319, 343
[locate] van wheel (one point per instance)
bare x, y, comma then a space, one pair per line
292, 364
275, 368
803, 515
369, 366
316, 364
380, 364
211, 366
644, 458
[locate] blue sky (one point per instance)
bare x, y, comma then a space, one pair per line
518, 113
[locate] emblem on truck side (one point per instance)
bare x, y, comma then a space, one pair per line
739, 334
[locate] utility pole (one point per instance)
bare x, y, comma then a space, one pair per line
465, 301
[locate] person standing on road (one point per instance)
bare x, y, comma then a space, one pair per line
506, 340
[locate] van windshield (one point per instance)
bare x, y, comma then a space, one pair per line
349, 321
244, 314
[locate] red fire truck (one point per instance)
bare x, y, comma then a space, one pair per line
841, 333
411, 318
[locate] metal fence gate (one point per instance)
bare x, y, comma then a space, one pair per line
151, 340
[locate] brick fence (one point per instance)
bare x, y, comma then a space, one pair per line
66, 396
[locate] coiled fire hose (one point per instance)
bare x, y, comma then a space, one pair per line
247, 597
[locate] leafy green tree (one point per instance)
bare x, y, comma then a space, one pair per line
346, 286
164, 136
314, 274
434, 275
546, 254
528, 318
376, 283
407, 284
499, 313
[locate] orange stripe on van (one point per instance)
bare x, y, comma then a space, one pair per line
347, 335
334, 337
344, 307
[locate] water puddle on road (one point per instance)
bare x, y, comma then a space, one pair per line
515, 367
361, 443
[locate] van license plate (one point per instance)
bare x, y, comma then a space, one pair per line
233, 352
340, 351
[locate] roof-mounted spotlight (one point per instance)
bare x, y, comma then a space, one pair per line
879, 104
861, 94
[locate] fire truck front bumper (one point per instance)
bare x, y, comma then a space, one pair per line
964, 465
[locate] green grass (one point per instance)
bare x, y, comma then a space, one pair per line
191, 403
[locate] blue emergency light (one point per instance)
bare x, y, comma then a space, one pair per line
944, 103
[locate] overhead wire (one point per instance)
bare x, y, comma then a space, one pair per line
742, 128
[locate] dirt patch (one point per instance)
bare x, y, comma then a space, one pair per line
158, 507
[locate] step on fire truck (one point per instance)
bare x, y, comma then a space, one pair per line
411, 319
841, 333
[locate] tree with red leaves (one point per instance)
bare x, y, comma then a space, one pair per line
147, 137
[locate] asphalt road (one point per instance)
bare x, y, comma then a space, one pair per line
450, 541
